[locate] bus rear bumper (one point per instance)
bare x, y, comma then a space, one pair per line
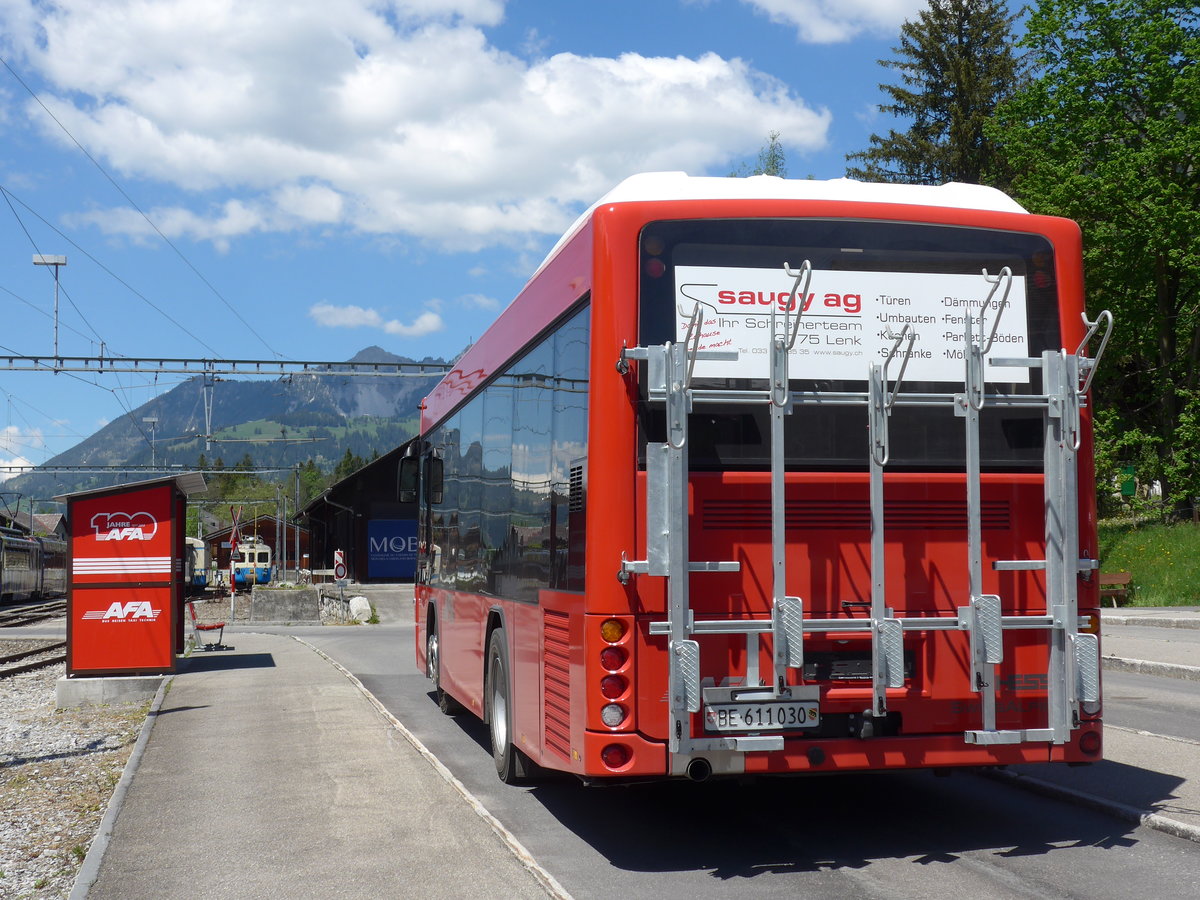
648, 758
918, 752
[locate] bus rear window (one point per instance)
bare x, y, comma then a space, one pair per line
869, 281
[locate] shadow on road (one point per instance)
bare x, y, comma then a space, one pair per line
218, 660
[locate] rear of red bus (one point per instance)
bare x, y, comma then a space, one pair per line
925, 647
716, 567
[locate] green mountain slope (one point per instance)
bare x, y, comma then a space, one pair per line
280, 422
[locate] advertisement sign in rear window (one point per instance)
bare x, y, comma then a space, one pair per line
847, 319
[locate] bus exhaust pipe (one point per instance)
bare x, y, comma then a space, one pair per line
699, 769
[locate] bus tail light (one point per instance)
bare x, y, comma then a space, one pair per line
612, 658
610, 655
616, 756
612, 630
1089, 742
613, 715
613, 686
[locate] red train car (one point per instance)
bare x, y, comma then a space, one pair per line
768, 476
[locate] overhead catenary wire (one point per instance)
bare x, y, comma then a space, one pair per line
9, 197
41, 312
113, 391
140, 211
11, 398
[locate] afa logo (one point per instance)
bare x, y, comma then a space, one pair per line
119, 526
133, 611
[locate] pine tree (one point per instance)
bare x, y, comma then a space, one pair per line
956, 64
771, 160
348, 465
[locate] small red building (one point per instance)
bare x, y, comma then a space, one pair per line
125, 582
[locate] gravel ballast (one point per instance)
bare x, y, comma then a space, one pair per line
58, 769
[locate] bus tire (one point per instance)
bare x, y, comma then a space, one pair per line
433, 668
512, 766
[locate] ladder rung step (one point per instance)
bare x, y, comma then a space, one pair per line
642, 566
1018, 565
759, 742
988, 738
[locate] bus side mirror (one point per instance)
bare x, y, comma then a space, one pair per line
406, 480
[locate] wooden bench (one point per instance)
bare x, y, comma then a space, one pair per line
1118, 587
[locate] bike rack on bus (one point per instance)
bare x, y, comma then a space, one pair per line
1074, 660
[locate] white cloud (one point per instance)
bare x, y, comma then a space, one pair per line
381, 116
479, 301
15, 443
329, 316
232, 219
426, 323
835, 21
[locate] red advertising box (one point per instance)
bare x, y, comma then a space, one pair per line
125, 590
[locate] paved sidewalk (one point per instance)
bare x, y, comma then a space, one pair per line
1132, 640
269, 774
1144, 778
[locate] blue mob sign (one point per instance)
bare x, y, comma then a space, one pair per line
391, 548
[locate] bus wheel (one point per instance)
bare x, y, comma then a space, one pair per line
445, 702
513, 766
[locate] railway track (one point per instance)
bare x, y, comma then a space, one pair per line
47, 654
37, 611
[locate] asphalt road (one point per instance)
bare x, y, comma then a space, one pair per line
894, 835
1167, 706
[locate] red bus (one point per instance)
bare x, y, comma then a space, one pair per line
769, 476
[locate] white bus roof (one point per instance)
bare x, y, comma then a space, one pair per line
681, 186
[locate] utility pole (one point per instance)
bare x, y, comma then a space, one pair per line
152, 421
296, 531
41, 259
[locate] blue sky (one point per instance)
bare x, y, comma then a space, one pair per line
318, 176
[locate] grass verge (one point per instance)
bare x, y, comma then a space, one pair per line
1164, 560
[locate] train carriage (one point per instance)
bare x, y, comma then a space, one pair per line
31, 567
253, 563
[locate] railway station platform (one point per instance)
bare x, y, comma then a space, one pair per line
264, 772
267, 772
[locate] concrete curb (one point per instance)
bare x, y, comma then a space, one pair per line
1122, 811
548, 882
89, 871
1145, 667
1150, 621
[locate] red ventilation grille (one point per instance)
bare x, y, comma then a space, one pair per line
556, 675
908, 515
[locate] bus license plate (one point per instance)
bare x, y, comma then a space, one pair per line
781, 715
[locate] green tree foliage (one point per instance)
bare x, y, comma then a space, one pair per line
348, 465
771, 160
312, 481
260, 495
956, 64
1108, 134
